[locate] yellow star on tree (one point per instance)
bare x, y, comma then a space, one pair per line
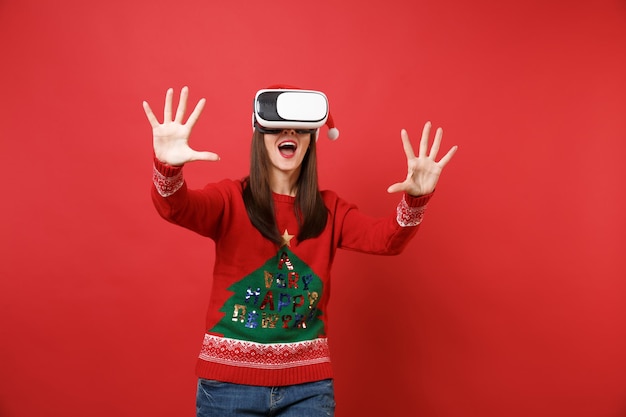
287, 238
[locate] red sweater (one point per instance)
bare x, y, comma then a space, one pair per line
265, 323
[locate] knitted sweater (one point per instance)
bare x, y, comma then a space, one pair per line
266, 319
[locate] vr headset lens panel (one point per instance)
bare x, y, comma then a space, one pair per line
298, 109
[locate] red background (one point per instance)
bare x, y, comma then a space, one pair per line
509, 303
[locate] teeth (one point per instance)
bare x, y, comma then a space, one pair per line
289, 145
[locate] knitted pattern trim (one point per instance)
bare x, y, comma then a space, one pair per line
408, 216
248, 354
166, 186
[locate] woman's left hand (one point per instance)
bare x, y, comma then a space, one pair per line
424, 170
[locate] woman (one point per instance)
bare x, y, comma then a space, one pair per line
265, 350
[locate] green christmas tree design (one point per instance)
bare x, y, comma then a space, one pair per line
276, 303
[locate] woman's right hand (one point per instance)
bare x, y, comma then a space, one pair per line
171, 138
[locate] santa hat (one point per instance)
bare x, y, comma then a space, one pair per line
333, 132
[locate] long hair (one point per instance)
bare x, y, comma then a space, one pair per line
310, 210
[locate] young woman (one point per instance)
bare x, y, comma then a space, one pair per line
265, 351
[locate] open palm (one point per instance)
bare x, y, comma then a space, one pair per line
423, 169
171, 138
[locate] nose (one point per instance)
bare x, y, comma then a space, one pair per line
291, 132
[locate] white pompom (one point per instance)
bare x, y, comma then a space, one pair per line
333, 133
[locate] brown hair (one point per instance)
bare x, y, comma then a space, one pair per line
310, 210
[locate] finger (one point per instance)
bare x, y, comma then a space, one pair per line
167, 110
436, 144
406, 144
150, 115
447, 157
182, 105
424, 140
195, 114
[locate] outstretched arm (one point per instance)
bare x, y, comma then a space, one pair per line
171, 138
423, 169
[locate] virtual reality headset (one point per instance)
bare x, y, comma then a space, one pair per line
290, 109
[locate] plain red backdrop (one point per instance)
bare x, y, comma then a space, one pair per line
510, 302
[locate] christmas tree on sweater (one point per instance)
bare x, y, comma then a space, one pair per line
276, 303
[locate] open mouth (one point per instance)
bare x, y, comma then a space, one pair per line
287, 149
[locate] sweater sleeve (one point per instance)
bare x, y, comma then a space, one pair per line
197, 210
382, 236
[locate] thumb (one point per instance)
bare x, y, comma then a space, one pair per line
395, 188
205, 156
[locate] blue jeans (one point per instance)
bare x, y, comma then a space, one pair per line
222, 399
